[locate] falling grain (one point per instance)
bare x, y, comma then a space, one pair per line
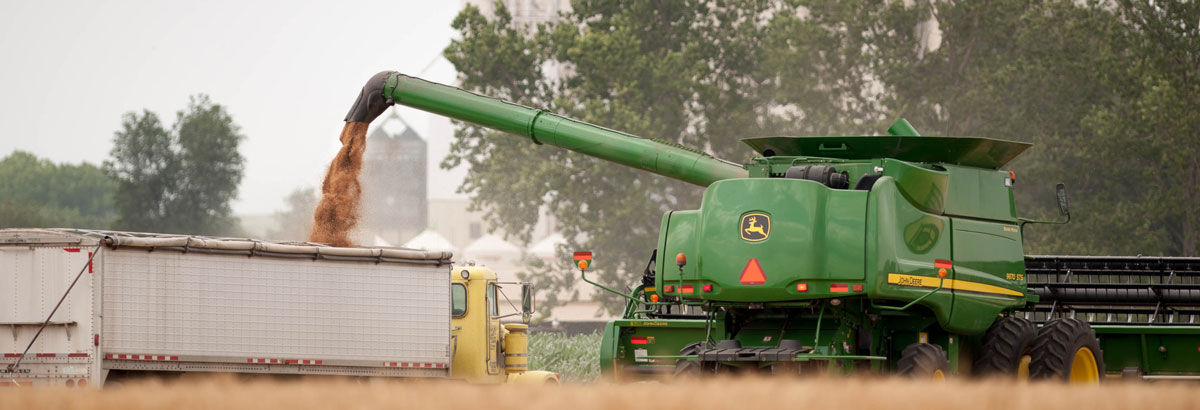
337, 214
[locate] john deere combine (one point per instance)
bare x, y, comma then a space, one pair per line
897, 253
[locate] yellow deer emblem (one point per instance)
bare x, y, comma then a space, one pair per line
755, 227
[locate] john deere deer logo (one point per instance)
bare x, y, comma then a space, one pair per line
755, 226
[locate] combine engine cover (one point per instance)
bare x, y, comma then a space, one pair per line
751, 248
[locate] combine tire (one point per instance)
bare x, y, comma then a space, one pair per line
924, 361
1007, 348
1067, 349
688, 368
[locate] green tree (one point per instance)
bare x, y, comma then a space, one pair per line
177, 181
296, 221
210, 168
144, 164
38, 193
1102, 90
1152, 127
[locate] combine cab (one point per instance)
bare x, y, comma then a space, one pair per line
897, 253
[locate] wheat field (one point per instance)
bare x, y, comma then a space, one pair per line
224, 392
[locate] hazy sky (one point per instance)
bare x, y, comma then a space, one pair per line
287, 71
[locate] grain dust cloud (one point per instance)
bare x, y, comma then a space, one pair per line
341, 192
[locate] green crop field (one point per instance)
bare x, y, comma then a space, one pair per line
574, 358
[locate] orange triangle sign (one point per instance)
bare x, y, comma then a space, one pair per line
752, 274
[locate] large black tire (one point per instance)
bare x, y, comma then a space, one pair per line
1059, 352
688, 368
1005, 344
923, 361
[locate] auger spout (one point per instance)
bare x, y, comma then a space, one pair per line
542, 127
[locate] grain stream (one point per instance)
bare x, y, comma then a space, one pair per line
337, 213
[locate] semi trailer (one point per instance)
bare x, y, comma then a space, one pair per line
81, 307
895, 253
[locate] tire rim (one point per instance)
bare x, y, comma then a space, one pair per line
938, 376
1083, 367
1023, 367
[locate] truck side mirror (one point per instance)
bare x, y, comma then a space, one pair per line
526, 302
1063, 199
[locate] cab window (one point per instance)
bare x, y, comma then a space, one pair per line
458, 300
493, 308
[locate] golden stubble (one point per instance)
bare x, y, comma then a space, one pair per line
222, 392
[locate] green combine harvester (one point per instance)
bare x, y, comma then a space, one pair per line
887, 254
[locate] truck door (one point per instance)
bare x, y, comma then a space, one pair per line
493, 330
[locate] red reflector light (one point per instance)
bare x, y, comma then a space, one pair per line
802, 287
686, 289
669, 288
858, 287
707, 288
839, 288
639, 340
943, 264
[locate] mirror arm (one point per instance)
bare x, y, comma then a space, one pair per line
510, 303
1064, 200
1034, 221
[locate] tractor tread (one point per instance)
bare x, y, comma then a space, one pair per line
922, 360
688, 368
1006, 341
1055, 347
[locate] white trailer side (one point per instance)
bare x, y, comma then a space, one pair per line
179, 303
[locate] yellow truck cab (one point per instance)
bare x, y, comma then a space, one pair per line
486, 351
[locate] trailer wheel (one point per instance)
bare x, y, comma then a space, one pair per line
1007, 348
923, 361
685, 367
1067, 349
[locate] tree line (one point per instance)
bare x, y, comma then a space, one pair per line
1106, 90
157, 179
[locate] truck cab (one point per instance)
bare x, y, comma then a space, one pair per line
484, 349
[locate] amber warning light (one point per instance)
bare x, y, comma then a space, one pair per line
941, 265
583, 259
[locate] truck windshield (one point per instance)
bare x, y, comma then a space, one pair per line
458, 299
